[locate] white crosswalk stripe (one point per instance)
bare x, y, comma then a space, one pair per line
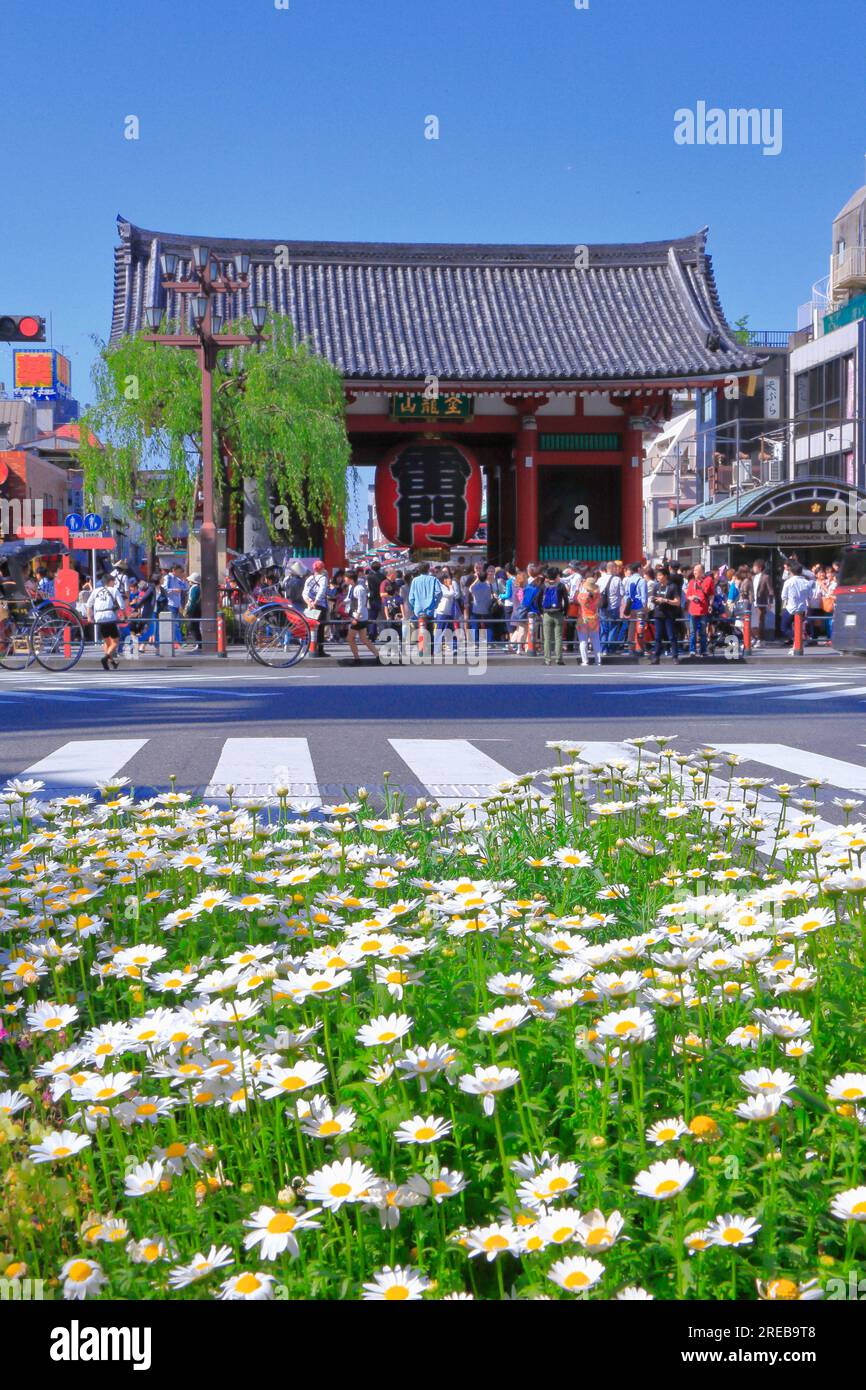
452, 769
716, 788
801, 763
254, 766
84, 762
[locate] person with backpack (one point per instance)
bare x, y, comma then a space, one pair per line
635, 602
554, 602
103, 610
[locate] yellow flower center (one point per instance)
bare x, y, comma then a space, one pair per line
495, 1243
282, 1222
340, 1189
396, 1293
248, 1283
576, 1280
79, 1271
782, 1288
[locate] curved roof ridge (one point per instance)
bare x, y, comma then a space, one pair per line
419, 252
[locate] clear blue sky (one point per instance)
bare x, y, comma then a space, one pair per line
556, 125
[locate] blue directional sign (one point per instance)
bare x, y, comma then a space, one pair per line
74, 521
92, 522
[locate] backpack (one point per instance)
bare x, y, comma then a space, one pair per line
531, 598
551, 597
105, 606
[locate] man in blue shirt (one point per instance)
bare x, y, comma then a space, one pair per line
425, 592
176, 590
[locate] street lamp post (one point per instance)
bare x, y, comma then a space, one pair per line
212, 276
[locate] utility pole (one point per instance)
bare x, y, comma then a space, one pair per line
213, 276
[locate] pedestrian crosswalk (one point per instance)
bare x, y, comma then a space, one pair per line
450, 771
726, 688
262, 763
102, 759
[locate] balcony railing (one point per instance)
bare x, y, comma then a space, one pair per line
849, 269
769, 338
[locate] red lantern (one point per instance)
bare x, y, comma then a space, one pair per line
428, 493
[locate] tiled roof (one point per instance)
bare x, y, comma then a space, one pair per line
385, 312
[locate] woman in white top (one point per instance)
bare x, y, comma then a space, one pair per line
358, 616
447, 610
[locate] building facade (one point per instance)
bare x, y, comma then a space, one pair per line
543, 365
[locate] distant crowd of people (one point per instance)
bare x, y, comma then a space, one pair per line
586, 609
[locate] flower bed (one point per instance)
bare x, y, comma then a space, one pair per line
601, 1042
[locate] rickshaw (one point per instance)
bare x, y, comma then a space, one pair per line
33, 628
276, 632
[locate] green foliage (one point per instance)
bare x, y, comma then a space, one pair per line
278, 416
741, 327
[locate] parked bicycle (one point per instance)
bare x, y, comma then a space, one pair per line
33, 628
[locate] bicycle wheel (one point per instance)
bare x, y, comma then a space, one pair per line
278, 636
57, 637
16, 653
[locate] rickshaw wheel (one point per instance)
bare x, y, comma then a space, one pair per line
57, 637
278, 636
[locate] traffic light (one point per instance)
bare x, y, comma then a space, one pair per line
22, 328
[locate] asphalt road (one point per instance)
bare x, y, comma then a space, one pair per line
441, 731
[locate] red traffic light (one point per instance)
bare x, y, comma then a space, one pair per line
22, 328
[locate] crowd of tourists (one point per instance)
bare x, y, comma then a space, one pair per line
123, 612
587, 610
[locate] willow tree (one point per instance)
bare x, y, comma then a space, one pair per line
279, 419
